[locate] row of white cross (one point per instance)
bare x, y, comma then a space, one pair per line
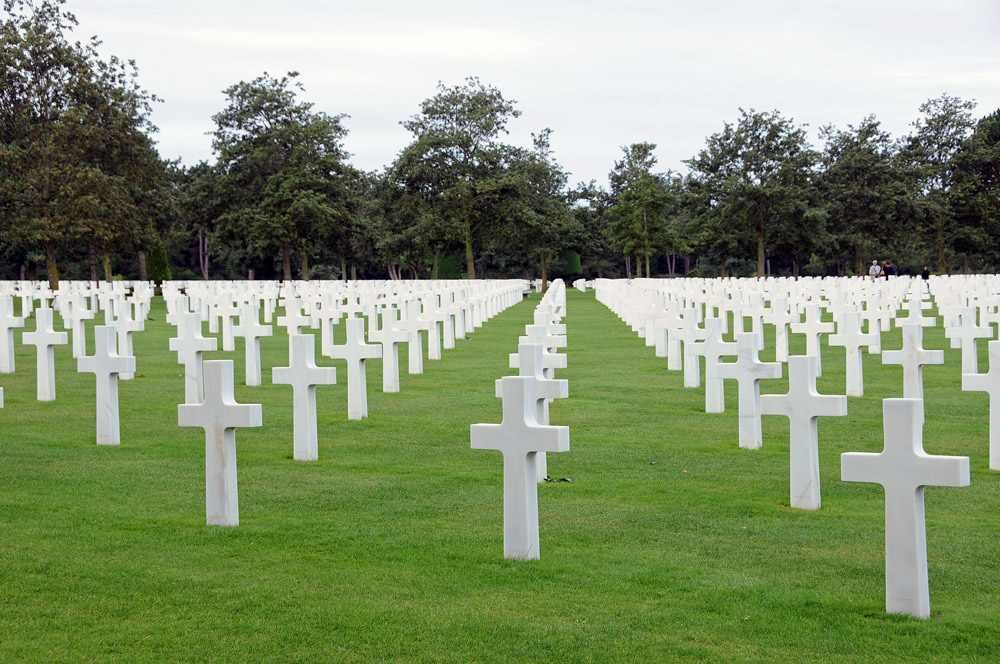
524, 435
209, 399
902, 468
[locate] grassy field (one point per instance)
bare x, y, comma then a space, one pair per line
669, 544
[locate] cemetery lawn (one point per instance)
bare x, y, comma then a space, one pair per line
669, 544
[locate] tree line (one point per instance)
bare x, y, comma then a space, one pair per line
84, 192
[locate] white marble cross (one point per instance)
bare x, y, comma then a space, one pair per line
814, 328
802, 406
293, 320
748, 371
713, 348
125, 325
219, 415
850, 337
44, 339
189, 346
8, 321
690, 335
989, 382
519, 437
904, 469
532, 360
251, 330
779, 316
413, 325
389, 336
915, 307
912, 356
356, 352
106, 364
75, 315
966, 333
303, 375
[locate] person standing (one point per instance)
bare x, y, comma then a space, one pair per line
926, 276
874, 270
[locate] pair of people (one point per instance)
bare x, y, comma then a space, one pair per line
885, 270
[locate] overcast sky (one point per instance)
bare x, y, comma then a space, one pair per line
601, 74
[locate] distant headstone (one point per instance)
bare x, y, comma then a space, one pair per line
913, 356
303, 375
356, 352
904, 469
106, 364
44, 339
251, 330
748, 371
189, 346
989, 382
219, 415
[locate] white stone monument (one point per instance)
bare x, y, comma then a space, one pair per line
45, 339
913, 356
531, 360
219, 415
389, 336
251, 330
106, 364
802, 406
850, 337
989, 382
748, 371
303, 375
356, 352
189, 346
8, 321
519, 437
904, 469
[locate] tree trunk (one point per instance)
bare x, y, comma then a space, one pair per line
795, 267
628, 266
687, 265
470, 264
51, 267
942, 267
143, 274
203, 256
106, 261
354, 273
434, 266
545, 272
94, 274
343, 269
647, 266
760, 251
768, 267
286, 261
305, 265
722, 271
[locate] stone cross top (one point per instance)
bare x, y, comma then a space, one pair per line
44, 339
356, 352
8, 321
219, 415
748, 371
850, 337
532, 360
389, 336
966, 334
904, 469
989, 382
189, 346
520, 437
913, 356
107, 365
303, 375
814, 328
713, 348
802, 406
251, 330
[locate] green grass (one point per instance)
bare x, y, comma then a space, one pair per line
670, 544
